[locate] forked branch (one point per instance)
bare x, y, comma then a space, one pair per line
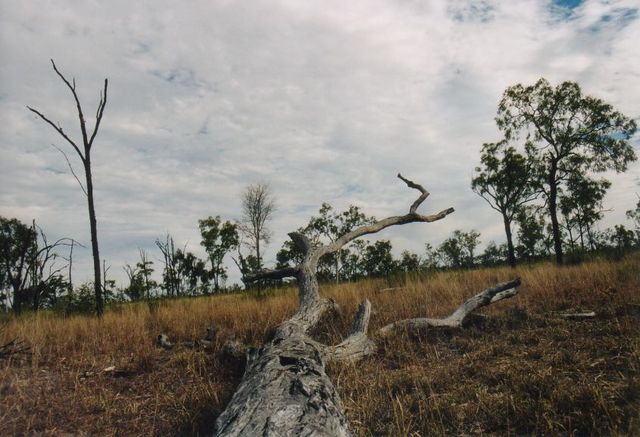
486, 297
412, 217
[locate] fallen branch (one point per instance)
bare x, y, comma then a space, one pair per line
285, 389
576, 316
456, 319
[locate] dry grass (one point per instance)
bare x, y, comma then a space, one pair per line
522, 371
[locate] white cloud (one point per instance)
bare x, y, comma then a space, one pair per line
326, 101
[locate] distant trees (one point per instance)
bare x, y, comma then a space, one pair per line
30, 271
581, 207
218, 239
459, 250
140, 282
503, 180
171, 274
566, 135
258, 206
324, 228
84, 153
329, 225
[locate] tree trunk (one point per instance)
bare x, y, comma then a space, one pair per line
555, 226
285, 389
511, 255
97, 282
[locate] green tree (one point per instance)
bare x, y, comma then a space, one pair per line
325, 228
329, 225
377, 259
18, 245
29, 268
171, 277
218, 239
566, 133
503, 180
493, 254
459, 250
531, 233
430, 258
581, 207
621, 237
193, 272
409, 261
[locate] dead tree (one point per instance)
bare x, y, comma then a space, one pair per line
85, 156
285, 389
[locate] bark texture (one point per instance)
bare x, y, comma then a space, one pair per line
285, 390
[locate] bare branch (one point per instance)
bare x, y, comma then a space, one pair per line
357, 345
380, 225
288, 272
412, 217
488, 296
100, 111
71, 168
72, 88
419, 200
59, 130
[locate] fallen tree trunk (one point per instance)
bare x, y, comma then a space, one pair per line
285, 389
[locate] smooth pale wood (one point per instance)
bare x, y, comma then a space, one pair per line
486, 297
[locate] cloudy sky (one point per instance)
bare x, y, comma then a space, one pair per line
324, 100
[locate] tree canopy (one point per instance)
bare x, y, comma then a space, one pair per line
565, 133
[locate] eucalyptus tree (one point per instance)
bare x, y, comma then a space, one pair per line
503, 180
84, 153
329, 225
459, 249
566, 133
377, 260
218, 239
531, 232
581, 207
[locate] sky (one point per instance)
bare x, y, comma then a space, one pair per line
324, 101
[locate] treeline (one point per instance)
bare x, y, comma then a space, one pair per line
541, 176
37, 274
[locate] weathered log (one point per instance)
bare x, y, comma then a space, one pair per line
285, 389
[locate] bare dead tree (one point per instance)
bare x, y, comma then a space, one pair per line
44, 269
258, 206
172, 278
84, 152
285, 389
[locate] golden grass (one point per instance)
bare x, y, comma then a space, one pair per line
522, 371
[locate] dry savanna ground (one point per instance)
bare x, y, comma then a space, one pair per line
520, 370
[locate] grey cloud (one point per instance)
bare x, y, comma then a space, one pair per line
326, 102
